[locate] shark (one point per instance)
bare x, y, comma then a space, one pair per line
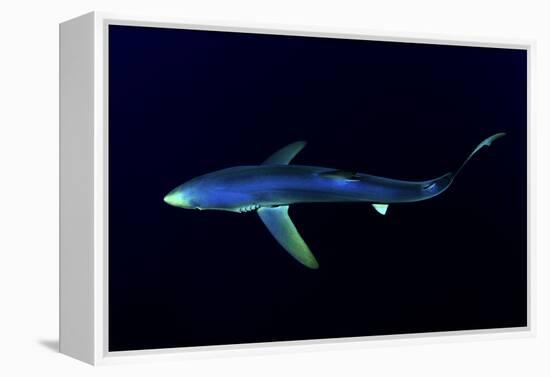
270, 188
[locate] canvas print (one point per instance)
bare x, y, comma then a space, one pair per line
271, 187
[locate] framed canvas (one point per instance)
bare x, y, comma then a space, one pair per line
226, 188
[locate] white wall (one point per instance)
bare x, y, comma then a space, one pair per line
29, 184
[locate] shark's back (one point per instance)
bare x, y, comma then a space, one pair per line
277, 184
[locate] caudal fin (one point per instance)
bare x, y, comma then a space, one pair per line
485, 143
436, 186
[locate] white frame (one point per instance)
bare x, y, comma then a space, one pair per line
84, 187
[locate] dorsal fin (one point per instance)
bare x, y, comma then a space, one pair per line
345, 174
286, 154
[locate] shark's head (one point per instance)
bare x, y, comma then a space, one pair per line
208, 192
186, 196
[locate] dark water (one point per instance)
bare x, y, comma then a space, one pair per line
184, 103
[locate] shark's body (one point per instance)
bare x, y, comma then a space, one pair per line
271, 187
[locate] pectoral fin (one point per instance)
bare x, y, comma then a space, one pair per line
280, 225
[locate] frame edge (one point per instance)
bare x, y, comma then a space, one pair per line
76, 241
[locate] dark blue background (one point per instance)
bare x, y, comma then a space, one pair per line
183, 103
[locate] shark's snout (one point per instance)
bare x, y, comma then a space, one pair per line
176, 198
169, 199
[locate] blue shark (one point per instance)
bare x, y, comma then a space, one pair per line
270, 188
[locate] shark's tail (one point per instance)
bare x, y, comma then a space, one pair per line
485, 143
437, 186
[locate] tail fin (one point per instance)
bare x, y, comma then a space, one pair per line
485, 143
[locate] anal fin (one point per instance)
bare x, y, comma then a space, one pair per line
381, 208
280, 225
